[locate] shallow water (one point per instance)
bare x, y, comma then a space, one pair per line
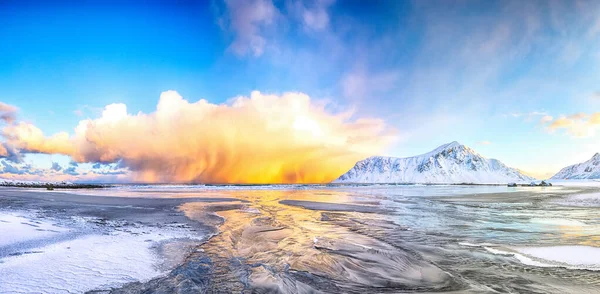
309, 239
376, 239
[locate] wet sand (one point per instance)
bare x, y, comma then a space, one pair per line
344, 239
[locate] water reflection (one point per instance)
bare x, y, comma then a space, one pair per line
407, 239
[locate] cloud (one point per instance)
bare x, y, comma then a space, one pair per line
257, 139
56, 167
484, 143
72, 170
359, 84
29, 138
546, 119
578, 125
14, 169
87, 110
528, 114
27, 172
8, 112
247, 20
313, 15
10, 153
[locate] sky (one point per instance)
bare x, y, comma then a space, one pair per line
278, 91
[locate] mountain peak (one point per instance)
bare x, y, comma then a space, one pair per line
448, 146
448, 163
589, 169
452, 144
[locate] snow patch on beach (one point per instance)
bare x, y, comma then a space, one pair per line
571, 257
576, 183
19, 227
101, 260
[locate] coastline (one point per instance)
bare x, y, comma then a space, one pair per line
292, 239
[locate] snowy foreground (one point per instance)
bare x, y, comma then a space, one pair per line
66, 243
45, 255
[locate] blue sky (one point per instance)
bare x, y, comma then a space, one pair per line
494, 75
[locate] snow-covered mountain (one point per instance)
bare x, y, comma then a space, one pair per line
585, 170
449, 163
25, 183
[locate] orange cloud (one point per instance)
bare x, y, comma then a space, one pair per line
29, 138
256, 139
578, 125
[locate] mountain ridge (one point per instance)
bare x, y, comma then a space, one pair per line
589, 169
448, 163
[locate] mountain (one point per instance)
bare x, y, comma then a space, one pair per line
585, 170
449, 163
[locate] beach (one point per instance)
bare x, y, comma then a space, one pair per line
299, 239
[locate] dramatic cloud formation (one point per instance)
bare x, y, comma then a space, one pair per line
256, 139
27, 137
579, 125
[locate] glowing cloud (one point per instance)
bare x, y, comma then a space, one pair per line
579, 125
256, 139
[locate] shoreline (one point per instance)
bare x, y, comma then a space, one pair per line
51, 234
282, 240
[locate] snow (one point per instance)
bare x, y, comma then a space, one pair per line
568, 256
586, 170
585, 256
8, 182
17, 228
98, 259
449, 163
576, 182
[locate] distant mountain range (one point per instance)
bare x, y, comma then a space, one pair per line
449, 163
585, 170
